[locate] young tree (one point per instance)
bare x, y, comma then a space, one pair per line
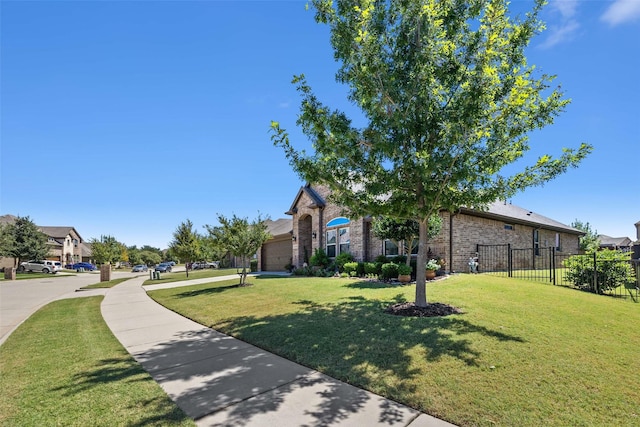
590, 241
404, 231
106, 250
240, 237
186, 244
23, 240
449, 101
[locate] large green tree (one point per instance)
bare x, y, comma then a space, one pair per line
240, 237
449, 101
106, 250
404, 232
186, 244
23, 240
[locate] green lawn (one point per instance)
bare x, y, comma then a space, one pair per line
522, 353
195, 274
63, 367
27, 275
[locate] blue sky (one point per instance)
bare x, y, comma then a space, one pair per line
127, 118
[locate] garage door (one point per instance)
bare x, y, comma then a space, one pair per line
275, 255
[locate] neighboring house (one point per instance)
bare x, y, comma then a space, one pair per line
319, 224
65, 242
615, 243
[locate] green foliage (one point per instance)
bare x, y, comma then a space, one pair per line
590, 241
106, 250
186, 243
23, 240
149, 257
611, 269
319, 258
432, 264
404, 269
240, 237
342, 258
350, 267
370, 268
389, 271
449, 102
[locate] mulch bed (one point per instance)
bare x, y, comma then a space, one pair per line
433, 309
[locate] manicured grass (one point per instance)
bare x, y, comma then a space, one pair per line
63, 367
195, 274
522, 353
108, 284
26, 275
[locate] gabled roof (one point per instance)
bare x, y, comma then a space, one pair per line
317, 200
59, 232
507, 212
608, 241
279, 227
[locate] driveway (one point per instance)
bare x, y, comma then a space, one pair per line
19, 299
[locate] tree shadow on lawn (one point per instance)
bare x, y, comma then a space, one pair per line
356, 342
122, 369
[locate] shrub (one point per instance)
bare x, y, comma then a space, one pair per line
319, 258
342, 259
404, 269
381, 259
611, 268
360, 269
370, 268
253, 265
389, 271
350, 267
399, 259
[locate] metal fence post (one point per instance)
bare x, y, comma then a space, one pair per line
595, 273
552, 264
509, 260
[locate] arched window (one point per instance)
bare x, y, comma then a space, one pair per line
338, 236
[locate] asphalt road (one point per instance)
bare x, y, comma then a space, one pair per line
19, 299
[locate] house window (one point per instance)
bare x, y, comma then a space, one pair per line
536, 242
508, 226
558, 246
338, 238
331, 243
390, 248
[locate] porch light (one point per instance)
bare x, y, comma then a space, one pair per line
314, 235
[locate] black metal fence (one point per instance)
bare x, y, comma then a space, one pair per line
550, 266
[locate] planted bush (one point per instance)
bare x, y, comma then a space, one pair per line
342, 259
611, 269
320, 259
370, 268
389, 271
350, 267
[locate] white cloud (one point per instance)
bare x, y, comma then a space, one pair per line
622, 11
567, 25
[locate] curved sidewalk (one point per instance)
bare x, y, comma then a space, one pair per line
221, 381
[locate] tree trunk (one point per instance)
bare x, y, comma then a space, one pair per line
421, 280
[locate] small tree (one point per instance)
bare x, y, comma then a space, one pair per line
590, 241
186, 244
240, 237
600, 271
149, 257
23, 241
106, 250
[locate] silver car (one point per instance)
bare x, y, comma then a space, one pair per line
45, 266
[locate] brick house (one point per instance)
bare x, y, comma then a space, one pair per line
65, 244
318, 224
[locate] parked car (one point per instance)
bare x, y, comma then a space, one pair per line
45, 266
83, 265
203, 265
163, 267
139, 268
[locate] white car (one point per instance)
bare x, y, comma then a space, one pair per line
46, 266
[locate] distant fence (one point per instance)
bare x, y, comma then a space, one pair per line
548, 265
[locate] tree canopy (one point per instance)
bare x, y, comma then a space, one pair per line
240, 237
186, 243
590, 242
23, 241
449, 102
106, 250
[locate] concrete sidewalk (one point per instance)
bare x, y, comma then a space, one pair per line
221, 381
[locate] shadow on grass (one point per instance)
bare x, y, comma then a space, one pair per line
151, 411
375, 284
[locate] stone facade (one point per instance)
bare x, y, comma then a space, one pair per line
457, 241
